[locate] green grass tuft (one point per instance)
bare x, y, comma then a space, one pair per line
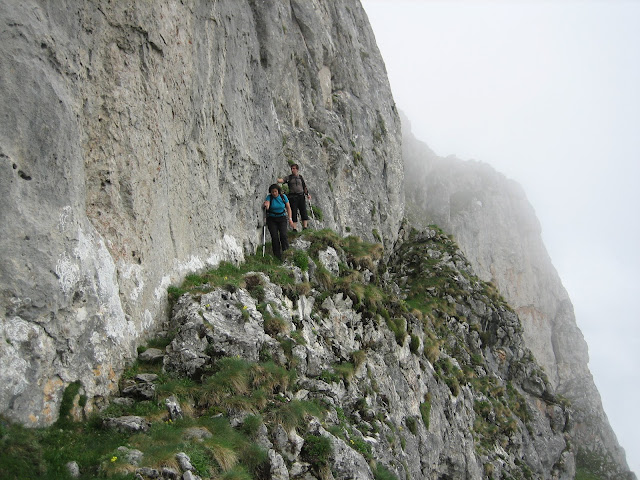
316, 450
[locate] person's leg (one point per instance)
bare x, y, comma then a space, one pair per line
293, 201
303, 212
274, 231
282, 227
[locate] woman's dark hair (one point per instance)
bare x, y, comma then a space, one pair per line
275, 185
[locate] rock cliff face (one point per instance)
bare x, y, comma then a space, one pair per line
137, 142
438, 385
495, 225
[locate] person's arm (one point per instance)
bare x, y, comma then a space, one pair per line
266, 204
282, 180
304, 188
288, 207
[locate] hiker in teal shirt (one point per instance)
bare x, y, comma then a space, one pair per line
278, 212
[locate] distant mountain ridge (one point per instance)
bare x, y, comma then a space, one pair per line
497, 228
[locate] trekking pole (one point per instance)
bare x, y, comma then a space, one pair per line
313, 215
264, 229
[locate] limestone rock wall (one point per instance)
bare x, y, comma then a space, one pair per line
399, 406
137, 141
497, 228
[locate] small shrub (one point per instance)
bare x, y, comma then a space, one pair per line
236, 473
425, 410
160, 342
317, 212
257, 292
292, 414
329, 376
453, 384
346, 370
380, 472
298, 337
412, 425
398, 326
251, 425
359, 445
274, 326
174, 293
316, 450
488, 470
301, 260
324, 278
477, 359
414, 346
303, 288
359, 356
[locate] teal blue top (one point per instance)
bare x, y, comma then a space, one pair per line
277, 205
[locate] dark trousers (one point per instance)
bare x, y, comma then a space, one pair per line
278, 230
298, 202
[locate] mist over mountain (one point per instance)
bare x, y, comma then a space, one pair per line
137, 142
496, 227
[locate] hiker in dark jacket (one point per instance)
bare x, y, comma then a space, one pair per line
297, 193
278, 212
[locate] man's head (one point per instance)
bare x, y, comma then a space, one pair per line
294, 168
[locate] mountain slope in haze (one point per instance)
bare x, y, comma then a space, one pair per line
497, 228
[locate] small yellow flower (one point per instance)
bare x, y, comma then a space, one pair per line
113, 459
244, 308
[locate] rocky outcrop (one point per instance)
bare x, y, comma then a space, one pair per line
443, 390
136, 144
496, 226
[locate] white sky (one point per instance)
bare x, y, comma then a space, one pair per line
548, 93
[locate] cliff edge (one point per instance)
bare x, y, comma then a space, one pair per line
497, 228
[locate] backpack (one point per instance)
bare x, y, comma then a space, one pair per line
280, 206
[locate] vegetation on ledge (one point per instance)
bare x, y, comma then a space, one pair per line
421, 296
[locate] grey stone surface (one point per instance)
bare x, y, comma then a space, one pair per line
143, 390
173, 407
329, 259
197, 433
184, 461
278, 467
131, 455
136, 145
128, 423
73, 469
151, 355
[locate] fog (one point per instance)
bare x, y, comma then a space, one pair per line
548, 93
